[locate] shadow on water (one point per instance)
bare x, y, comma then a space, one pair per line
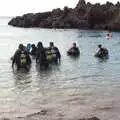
41, 69
101, 60
26, 69
49, 67
96, 36
74, 57
47, 73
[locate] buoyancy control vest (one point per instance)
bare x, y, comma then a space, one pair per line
51, 54
103, 53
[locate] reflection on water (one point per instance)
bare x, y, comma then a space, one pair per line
102, 60
83, 83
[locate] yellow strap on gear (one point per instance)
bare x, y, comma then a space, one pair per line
23, 59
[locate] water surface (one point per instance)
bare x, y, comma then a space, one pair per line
85, 84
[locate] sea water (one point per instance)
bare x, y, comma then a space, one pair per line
78, 87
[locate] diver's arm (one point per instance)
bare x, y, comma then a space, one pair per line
29, 59
14, 58
70, 50
59, 55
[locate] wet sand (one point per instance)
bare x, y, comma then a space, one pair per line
69, 108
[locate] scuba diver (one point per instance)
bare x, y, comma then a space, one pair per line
53, 54
34, 50
102, 52
21, 58
41, 55
74, 51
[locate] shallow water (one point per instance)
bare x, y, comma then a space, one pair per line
84, 84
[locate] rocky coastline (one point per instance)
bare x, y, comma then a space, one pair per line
83, 16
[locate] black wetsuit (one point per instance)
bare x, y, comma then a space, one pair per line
54, 53
41, 57
102, 53
17, 59
74, 51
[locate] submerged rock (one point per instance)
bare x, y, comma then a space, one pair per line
83, 16
5, 119
93, 118
42, 112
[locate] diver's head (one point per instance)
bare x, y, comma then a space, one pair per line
33, 45
28, 44
99, 46
21, 47
39, 44
51, 44
74, 44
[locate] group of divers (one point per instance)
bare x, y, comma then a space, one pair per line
46, 56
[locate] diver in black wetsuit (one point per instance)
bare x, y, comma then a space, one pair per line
21, 58
34, 50
41, 55
102, 52
74, 51
53, 54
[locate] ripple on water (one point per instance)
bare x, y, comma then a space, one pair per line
85, 84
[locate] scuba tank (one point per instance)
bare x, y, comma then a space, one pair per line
23, 59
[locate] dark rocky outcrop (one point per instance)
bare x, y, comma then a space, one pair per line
83, 16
